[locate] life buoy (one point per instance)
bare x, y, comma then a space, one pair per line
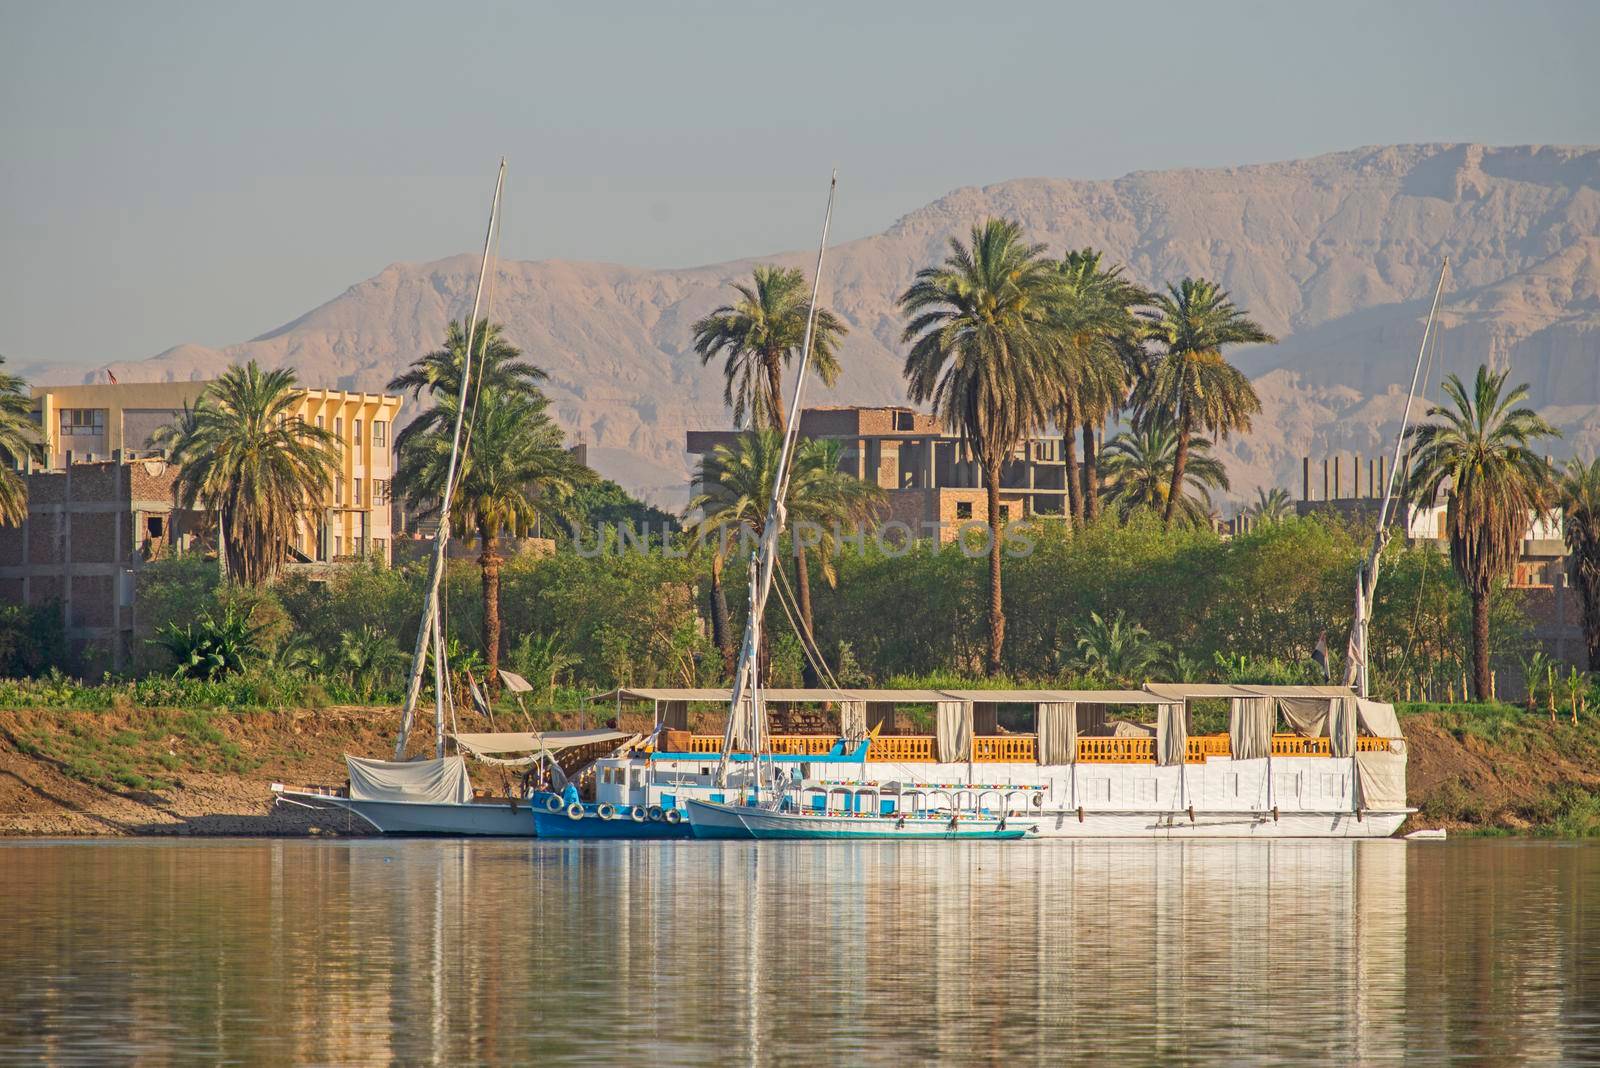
672, 815
655, 814
636, 814
552, 803
575, 811
1038, 800
606, 811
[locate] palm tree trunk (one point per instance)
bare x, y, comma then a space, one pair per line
1069, 457
1588, 576
802, 578
997, 618
774, 364
1180, 460
721, 636
1480, 644
1091, 476
489, 564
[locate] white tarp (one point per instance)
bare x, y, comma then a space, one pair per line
1380, 721
953, 731
1342, 726
426, 782
1056, 724
1381, 781
1250, 727
529, 742
1307, 716
1172, 734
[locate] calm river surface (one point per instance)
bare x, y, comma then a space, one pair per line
361, 952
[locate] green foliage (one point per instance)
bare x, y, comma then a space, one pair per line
1118, 651
18, 438
33, 639
603, 503
210, 647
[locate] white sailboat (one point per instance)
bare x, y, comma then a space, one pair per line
435, 795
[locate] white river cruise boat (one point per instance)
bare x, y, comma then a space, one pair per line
1295, 761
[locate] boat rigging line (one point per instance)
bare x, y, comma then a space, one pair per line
430, 625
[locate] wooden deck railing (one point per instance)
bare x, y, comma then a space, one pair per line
1020, 748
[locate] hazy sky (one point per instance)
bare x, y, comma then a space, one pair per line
205, 172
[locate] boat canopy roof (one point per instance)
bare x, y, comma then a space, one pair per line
1188, 691
530, 742
1033, 697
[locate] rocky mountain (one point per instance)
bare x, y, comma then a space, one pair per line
1337, 255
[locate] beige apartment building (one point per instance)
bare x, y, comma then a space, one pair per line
113, 421
929, 478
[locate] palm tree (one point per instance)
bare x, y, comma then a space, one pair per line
18, 437
514, 472
1117, 650
1191, 385
1497, 484
497, 365
1579, 494
1271, 506
761, 333
737, 483
258, 466
369, 658
1096, 316
986, 351
1138, 470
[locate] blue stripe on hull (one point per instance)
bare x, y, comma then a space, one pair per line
560, 825
887, 836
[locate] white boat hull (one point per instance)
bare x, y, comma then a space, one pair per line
1173, 825
496, 819
710, 820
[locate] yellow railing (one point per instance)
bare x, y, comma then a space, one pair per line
1003, 749
1116, 750
1020, 748
902, 749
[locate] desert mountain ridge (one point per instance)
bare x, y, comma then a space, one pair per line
1337, 255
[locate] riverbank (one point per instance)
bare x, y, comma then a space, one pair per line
128, 772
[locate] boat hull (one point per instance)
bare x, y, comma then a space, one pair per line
1178, 825
476, 820
763, 824
561, 826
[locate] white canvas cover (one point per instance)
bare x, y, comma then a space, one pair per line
1381, 781
423, 782
953, 731
1056, 723
1342, 726
1307, 716
1172, 734
1250, 727
1380, 721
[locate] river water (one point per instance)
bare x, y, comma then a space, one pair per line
374, 951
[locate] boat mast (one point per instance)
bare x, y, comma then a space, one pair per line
1355, 667
746, 703
430, 602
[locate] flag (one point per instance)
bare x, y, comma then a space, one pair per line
1319, 655
111, 376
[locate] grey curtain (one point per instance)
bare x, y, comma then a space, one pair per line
1307, 716
1250, 728
1056, 724
1381, 781
1342, 726
953, 733
1172, 735
853, 720
675, 715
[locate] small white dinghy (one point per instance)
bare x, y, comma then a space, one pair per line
1429, 834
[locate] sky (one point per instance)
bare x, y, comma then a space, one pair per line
205, 172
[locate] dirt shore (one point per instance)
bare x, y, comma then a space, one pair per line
170, 772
